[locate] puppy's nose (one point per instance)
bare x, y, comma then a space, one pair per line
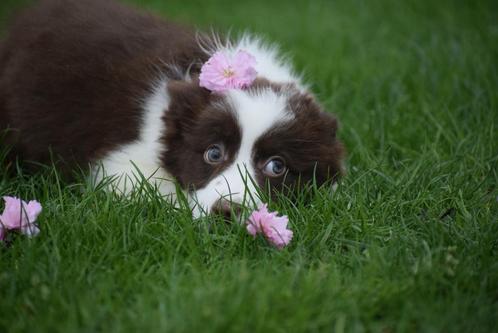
226, 209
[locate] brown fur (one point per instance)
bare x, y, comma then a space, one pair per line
72, 74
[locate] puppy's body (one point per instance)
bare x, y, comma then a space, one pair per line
94, 82
75, 75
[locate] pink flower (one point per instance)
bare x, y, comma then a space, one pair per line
273, 227
222, 71
20, 215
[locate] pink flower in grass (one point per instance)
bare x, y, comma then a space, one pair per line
273, 227
222, 71
19, 214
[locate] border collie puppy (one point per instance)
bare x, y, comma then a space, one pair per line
97, 83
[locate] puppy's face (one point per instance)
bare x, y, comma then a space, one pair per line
220, 147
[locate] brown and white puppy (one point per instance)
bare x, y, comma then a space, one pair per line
96, 83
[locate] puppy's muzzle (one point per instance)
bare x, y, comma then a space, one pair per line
230, 211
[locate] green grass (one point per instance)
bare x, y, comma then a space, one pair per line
408, 243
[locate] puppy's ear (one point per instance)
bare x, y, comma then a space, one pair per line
306, 107
187, 103
187, 100
319, 127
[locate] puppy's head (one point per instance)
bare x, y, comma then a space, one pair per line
221, 147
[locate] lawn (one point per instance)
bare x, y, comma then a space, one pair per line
409, 242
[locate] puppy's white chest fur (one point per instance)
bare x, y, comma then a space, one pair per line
130, 163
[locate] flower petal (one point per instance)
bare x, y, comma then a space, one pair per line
280, 238
272, 226
30, 230
222, 71
14, 215
243, 60
33, 209
252, 229
18, 214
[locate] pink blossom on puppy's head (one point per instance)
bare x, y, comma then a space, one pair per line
223, 72
272, 226
21, 215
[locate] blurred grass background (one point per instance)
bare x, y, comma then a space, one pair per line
408, 243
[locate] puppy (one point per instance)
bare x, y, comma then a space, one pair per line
95, 83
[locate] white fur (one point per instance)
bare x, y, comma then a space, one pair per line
256, 114
143, 154
269, 65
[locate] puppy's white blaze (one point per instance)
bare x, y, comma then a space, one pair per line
234, 185
142, 154
256, 114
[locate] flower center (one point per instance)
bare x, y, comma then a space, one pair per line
228, 72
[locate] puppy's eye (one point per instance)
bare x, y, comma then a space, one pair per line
214, 154
275, 167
